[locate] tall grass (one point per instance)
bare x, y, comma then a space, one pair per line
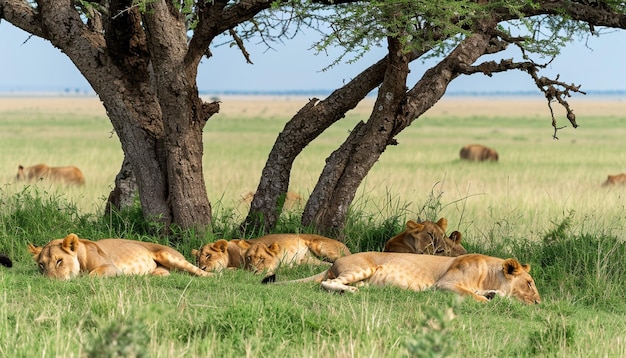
579, 274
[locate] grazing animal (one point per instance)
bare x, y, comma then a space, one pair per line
6, 261
617, 179
479, 276
65, 175
478, 153
295, 248
66, 258
427, 237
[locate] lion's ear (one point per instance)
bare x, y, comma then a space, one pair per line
274, 248
70, 243
511, 267
456, 237
526, 267
411, 224
243, 244
221, 245
443, 224
35, 250
195, 253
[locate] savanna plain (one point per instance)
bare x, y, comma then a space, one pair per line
542, 203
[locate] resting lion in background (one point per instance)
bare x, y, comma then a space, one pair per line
224, 254
427, 237
478, 153
479, 276
65, 175
617, 179
66, 258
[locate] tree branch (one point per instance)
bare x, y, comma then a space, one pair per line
240, 44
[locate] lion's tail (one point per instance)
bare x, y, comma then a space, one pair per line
5, 261
315, 278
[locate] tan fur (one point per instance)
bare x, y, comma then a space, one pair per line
617, 179
66, 258
479, 153
292, 248
65, 175
427, 237
479, 276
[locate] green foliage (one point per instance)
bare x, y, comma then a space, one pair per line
436, 339
126, 338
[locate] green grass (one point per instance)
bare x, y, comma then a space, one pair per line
542, 203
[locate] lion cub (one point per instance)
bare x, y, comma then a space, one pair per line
66, 258
267, 252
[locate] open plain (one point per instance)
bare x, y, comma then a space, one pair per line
543, 203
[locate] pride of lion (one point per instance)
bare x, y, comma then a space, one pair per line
66, 258
66, 175
267, 253
419, 258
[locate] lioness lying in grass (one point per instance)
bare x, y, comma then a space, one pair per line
66, 258
479, 276
271, 250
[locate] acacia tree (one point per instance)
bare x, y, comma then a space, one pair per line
141, 58
138, 58
460, 33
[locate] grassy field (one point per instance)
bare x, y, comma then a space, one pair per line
542, 203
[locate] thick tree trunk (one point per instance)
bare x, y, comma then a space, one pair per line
182, 116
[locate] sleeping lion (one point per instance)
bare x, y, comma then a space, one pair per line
479, 276
67, 258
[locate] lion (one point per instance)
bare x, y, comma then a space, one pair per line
617, 179
478, 153
66, 258
427, 237
479, 276
66, 175
295, 248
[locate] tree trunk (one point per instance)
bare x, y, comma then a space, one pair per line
395, 109
348, 165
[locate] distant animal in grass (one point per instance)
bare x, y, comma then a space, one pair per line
478, 153
617, 179
267, 252
67, 258
66, 175
479, 276
6, 261
427, 237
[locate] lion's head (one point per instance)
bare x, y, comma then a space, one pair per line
518, 283
261, 258
59, 258
213, 256
428, 238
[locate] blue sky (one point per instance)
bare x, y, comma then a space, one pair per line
34, 64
